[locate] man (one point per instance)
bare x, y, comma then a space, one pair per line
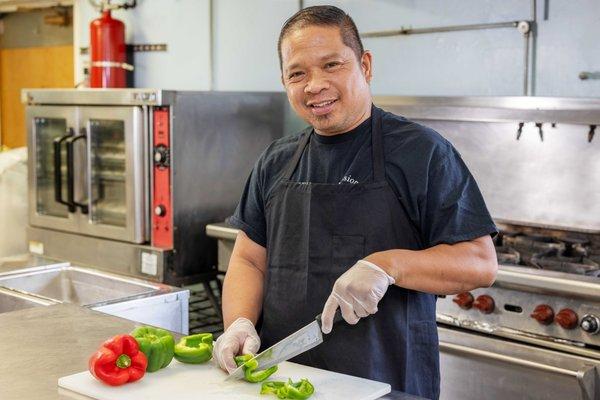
364, 211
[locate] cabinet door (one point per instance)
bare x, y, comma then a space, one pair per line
49, 128
116, 172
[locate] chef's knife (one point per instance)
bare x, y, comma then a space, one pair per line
298, 342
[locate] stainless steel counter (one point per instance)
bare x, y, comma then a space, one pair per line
40, 345
148, 302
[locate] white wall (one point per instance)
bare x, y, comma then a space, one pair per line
489, 62
182, 24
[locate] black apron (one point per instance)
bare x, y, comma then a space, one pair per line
315, 232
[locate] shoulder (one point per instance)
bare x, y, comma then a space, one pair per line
279, 152
413, 141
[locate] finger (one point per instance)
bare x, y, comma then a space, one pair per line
347, 311
226, 360
331, 306
251, 345
230, 365
359, 309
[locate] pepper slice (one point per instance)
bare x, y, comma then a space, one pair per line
300, 390
250, 373
157, 344
118, 361
194, 349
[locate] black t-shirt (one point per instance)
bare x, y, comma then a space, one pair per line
437, 190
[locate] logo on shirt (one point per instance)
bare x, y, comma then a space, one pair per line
348, 179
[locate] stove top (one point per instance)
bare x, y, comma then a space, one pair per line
563, 254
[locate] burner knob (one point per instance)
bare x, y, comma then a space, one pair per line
590, 324
464, 300
544, 314
484, 303
567, 318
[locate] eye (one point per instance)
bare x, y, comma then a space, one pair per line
295, 75
332, 64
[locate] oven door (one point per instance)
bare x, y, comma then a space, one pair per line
476, 366
49, 129
116, 172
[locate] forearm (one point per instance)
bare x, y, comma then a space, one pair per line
244, 281
242, 292
442, 269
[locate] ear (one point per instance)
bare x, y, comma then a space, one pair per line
366, 65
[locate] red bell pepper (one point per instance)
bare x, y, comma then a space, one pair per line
118, 361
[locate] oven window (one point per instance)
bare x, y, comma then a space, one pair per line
46, 130
107, 149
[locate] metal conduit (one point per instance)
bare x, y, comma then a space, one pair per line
525, 27
454, 28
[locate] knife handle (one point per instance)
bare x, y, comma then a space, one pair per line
337, 318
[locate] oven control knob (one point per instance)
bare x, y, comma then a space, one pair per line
160, 211
544, 314
567, 318
161, 156
464, 300
484, 303
590, 324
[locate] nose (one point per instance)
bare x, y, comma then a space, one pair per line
316, 83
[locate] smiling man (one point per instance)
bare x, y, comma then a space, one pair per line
364, 211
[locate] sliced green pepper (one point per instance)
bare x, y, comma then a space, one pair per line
194, 349
250, 366
157, 344
300, 390
271, 387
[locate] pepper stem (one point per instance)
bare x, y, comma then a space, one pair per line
124, 361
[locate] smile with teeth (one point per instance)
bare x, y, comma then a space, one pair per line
322, 104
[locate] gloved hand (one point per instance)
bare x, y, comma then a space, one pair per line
239, 338
357, 293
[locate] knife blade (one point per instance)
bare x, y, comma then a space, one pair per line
297, 343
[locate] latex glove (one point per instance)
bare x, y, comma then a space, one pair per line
357, 293
239, 338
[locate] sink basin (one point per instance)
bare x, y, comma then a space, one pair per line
13, 301
75, 285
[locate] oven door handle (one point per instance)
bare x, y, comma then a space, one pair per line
58, 170
587, 377
71, 173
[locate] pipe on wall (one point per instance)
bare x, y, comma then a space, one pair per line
525, 27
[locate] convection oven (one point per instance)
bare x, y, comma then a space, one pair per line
127, 179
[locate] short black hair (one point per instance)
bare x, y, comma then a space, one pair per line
324, 16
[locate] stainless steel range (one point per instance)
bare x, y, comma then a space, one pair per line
535, 334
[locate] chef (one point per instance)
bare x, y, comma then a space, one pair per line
364, 211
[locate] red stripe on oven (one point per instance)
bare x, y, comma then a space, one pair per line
162, 217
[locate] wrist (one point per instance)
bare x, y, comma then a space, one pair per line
383, 260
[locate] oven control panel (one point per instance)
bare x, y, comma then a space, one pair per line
162, 218
489, 309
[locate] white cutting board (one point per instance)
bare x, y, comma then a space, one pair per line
205, 381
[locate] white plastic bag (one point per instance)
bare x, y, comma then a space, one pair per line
13, 202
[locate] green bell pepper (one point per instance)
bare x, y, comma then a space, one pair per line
194, 349
250, 366
157, 344
300, 390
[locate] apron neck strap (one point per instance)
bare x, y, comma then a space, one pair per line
376, 147
291, 167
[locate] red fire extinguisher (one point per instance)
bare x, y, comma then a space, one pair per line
108, 52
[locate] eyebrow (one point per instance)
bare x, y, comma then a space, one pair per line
325, 57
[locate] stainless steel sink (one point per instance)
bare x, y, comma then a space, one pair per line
11, 300
76, 285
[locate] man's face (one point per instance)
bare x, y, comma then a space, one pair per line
326, 85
